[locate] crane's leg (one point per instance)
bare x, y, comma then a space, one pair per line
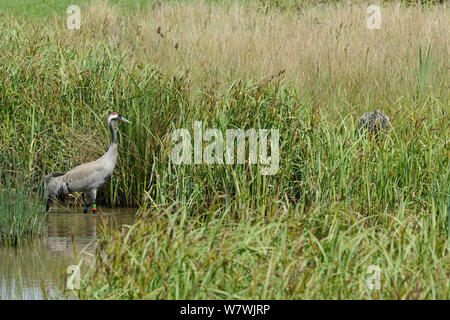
87, 200
94, 205
86, 207
49, 203
50, 199
90, 197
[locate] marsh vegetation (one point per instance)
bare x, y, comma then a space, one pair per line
339, 202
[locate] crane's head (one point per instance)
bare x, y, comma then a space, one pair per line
117, 117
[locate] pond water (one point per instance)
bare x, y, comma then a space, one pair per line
26, 270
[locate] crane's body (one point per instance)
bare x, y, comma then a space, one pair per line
87, 177
373, 122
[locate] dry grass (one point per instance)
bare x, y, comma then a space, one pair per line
224, 42
215, 45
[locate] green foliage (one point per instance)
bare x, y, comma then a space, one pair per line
338, 204
276, 252
22, 213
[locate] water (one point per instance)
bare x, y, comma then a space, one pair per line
24, 271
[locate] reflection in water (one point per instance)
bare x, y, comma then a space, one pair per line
25, 270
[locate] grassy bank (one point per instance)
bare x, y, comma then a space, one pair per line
339, 202
22, 213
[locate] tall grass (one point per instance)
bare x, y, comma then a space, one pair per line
339, 202
280, 252
58, 86
338, 205
22, 214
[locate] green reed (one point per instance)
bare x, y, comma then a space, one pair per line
338, 204
22, 213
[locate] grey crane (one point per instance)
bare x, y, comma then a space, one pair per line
374, 123
87, 177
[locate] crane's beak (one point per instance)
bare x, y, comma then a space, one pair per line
125, 120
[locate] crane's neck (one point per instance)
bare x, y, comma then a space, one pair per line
112, 151
113, 133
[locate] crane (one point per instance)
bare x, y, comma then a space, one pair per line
373, 122
87, 177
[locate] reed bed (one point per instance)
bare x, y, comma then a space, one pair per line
339, 202
22, 214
